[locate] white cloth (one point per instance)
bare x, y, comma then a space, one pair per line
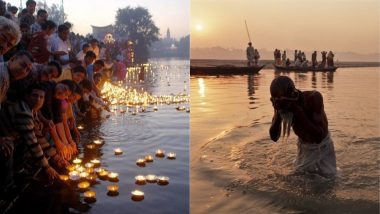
316, 158
58, 45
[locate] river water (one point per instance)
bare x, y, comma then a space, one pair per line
245, 172
140, 135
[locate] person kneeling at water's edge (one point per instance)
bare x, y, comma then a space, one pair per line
304, 112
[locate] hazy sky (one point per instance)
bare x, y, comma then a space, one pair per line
338, 25
166, 13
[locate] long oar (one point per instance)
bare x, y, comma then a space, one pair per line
246, 27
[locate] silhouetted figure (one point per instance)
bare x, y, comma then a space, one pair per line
330, 59
250, 54
323, 63
314, 59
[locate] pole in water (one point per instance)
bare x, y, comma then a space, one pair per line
246, 27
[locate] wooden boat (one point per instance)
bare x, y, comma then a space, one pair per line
304, 69
224, 70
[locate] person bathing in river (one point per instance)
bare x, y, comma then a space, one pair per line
304, 112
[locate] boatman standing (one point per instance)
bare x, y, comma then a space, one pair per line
304, 112
250, 54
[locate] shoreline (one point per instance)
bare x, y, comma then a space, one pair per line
269, 65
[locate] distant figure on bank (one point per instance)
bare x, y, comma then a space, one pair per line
314, 59
330, 59
256, 57
250, 54
295, 56
323, 63
304, 112
287, 63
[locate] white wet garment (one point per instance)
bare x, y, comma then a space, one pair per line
316, 158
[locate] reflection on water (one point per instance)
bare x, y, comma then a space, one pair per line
139, 135
242, 158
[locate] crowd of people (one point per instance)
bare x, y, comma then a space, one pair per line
49, 78
300, 59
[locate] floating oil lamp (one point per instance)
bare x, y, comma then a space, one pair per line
187, 110
98, 142
163, 180
64, 177
140, 162
99, 170
90, 146
122, 111
96, 162
140, 180
151, 178
113, 177
83, 175
155, 108
89, 170
160, 153
137, 195
80, 127
171, 156
77, 161
83, 186
89, 196
70, 168
149, 158
143, 109
118, 151
134, 112
113, 190
89, 165
79, 168
103, 175
91, 178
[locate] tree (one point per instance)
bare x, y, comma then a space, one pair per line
55, 12
136, 25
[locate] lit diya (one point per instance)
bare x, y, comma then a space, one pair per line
89, 196
80, 127
140, 162
90, 146
140, 180
83, 175
163, 180
113, 177
96, 162
155, 108
91, 178
137, 195
98, 142
89, 165
122, 111
187, 110
171, 156
70, 168
103, 175
149, 158
113, 190
151, 178
64, 177
77, 161
160, 153
118, 151
84, 185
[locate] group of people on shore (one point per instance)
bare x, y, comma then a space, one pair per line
45, 87
300, 59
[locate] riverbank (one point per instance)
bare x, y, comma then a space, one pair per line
269, 65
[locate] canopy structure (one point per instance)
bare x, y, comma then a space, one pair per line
100, 32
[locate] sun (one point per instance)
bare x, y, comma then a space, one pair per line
198, 27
